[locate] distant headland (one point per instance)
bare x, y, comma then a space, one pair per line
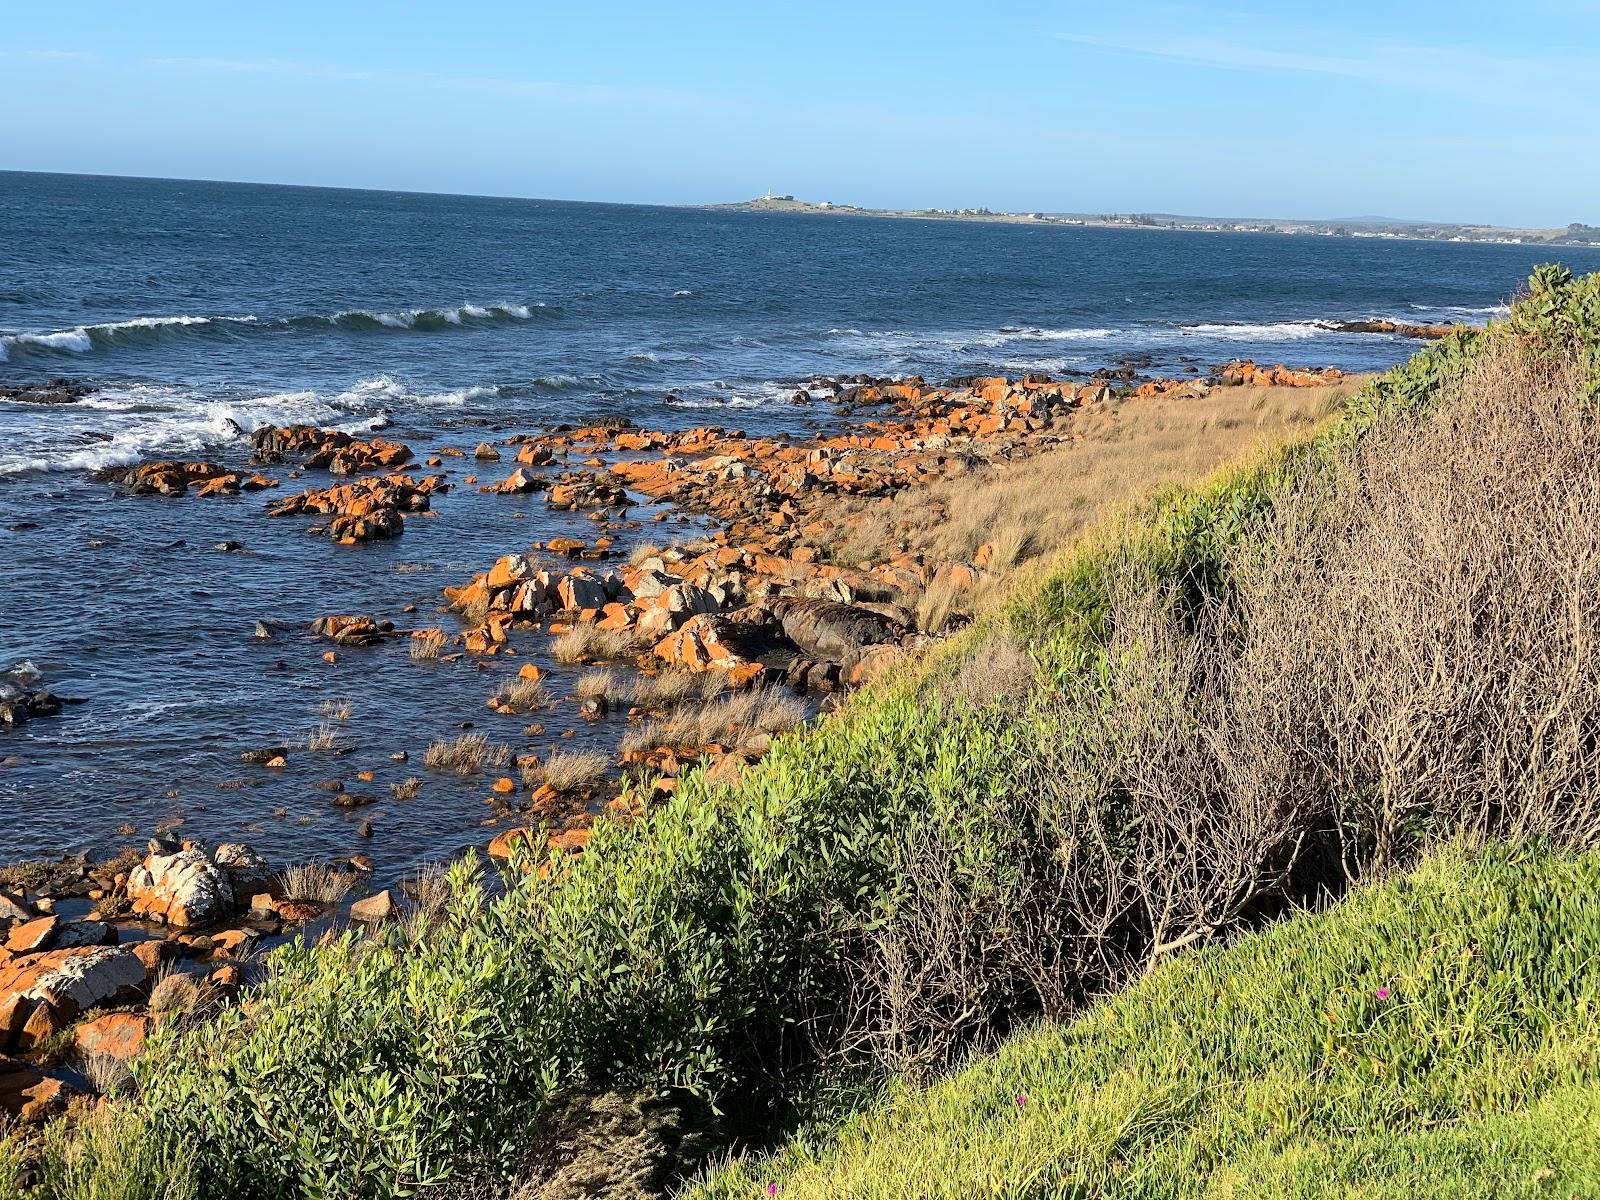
1575, 234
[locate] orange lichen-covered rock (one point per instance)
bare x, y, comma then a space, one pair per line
42, 993
28, 1096
1244, 371
117, 1035
363, 510
167, 478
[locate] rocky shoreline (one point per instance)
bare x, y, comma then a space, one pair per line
699, 651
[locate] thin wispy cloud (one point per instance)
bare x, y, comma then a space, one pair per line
1438, 71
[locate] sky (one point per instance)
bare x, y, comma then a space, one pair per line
1462, 111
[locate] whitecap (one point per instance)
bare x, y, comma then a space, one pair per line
1272, 331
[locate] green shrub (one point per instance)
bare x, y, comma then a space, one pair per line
868, 892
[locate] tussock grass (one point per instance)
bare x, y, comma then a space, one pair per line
428, 645
106, 1074
937, 605
319, 883
465, 755
525, 695
569, 770
672, 688
585, 644
597, 685
325, 738
741, 720
406, 789
336, 710
175, 991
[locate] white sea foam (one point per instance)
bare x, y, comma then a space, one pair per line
119, 426
714, 402
1272, 331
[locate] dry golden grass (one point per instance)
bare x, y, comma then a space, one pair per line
939, 602
525, 695
672, 688
744, 720
597, 685
317, 882
468, 753
406, 789
428, 644
325, 738
568, 770
175, 992
585, 643
1128, 447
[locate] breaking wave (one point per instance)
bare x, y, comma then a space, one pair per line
86, 339
1271, 331
120, 426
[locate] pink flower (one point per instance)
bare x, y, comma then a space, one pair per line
1022, 1101
1382, 993
772, 1189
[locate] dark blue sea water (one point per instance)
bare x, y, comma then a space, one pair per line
195, 309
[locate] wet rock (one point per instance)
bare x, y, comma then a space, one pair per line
366, 509
353, 630
264, 755
54, 391
22, 698
167, 478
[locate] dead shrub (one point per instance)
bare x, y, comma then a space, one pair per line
1406, 651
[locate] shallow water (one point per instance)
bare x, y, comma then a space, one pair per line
199, 309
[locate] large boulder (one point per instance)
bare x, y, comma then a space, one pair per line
41, 994
182, 889
834, 632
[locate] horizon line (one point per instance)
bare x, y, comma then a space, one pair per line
724, 204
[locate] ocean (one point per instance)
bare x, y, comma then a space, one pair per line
196, 312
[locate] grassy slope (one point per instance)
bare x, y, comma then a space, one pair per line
683, 951
1272, 1067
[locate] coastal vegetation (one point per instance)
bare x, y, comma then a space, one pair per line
1356, 672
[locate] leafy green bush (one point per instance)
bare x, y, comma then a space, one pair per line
878, 872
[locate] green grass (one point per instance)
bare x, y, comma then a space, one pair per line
1272, 1068
703, 950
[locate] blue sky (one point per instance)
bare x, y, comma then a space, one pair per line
1459, 111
